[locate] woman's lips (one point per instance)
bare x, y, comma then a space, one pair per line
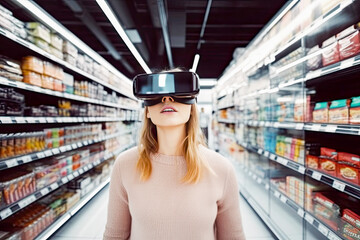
163, 110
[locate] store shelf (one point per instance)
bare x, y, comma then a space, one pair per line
24, 120
327, 232
51, 57
226, 121
32, 88
287, 125
337, 184
333, 128
13, 208
227, 135
13, 162
276, 158
225, 106
47, 233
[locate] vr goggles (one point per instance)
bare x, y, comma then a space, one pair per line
183, 87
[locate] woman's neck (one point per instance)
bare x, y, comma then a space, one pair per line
170, 139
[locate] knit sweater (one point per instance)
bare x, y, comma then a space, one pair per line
164, 208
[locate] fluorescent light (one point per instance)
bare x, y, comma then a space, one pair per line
133, 35
195, 63
112, 18
51, 22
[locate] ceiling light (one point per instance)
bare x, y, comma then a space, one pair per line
133, 35
195, 63
114, 21
52, 23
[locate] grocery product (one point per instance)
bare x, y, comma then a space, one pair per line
326, 209
349, 42
32, 64
328, 161
312, 162
68, 83
350, 232
38, 30
69, 49
47, 82
32, 78
321, 112
314, 62
348, 167
56, 41
330, 51
354, 117
339, 111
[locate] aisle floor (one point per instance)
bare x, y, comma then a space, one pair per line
89, 222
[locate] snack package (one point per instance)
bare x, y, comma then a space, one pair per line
325, 209
47, 82
351, 217
330, 53
312, 162
49, 69
328, 161
32, 64
350, 232
349, 42
56, 41
69, 49
32, 78
38, 30
355, 111
56, 52
321, 112
314, 62
349, 167
339, 111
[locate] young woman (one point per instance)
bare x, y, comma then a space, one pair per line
171, 186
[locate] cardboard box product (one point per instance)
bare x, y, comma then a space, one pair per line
339, 111
56, 41
355, 111
68, 83
330, 54
33, 64
349, 42
321, 112
39, 31
349, 167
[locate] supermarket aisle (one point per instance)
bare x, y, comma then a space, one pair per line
89, 222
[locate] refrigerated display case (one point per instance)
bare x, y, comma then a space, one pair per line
296, 120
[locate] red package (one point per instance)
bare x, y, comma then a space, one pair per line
330, 53
350, 232
351, 217
328, 152
349, 42
327, 165
312, 161
348, 167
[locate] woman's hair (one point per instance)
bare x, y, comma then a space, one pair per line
190, 146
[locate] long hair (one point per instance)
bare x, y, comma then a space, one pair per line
148, 145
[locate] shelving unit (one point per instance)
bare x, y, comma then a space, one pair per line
280, 82
117, 114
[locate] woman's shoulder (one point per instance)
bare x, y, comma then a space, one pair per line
127, 157
215, 160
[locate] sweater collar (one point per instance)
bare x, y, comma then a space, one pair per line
168, 159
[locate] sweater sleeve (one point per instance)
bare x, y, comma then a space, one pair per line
118, 217
228, 220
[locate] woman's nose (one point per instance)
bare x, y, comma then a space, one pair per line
167, 98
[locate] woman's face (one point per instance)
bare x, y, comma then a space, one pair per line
169, 113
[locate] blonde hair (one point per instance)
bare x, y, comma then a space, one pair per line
148, 145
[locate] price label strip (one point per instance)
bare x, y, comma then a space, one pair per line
5, 213
323, 230
44, 191
316, 175
309, 219
338, 185
300, 212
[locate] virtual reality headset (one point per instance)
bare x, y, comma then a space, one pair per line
183, 87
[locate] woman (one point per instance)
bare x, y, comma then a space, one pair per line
171, 186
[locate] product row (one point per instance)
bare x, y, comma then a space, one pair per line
31, 221
35, 71
51, 42
17, 144
345, 166
17, 183
13, 103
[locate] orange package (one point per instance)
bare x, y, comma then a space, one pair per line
33, 64
32, 78
349, 167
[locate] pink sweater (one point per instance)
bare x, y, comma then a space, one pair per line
163, 208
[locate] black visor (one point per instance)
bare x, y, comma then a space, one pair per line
177, 84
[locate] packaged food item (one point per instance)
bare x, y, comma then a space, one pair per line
349, 42
349, 167
69, 49
56, 41
314, 62
9, 65
38, 30
32, 78
47, 82
339, 111
330, 52
40, 43
328, 161
321, 112
58, 85
351, 217
32, 64
70, 59
49, 69
56, 52
326, 209
312, 162
68, 83
350, 232
355, 111
299, 111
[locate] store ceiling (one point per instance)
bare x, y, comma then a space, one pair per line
231, 24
